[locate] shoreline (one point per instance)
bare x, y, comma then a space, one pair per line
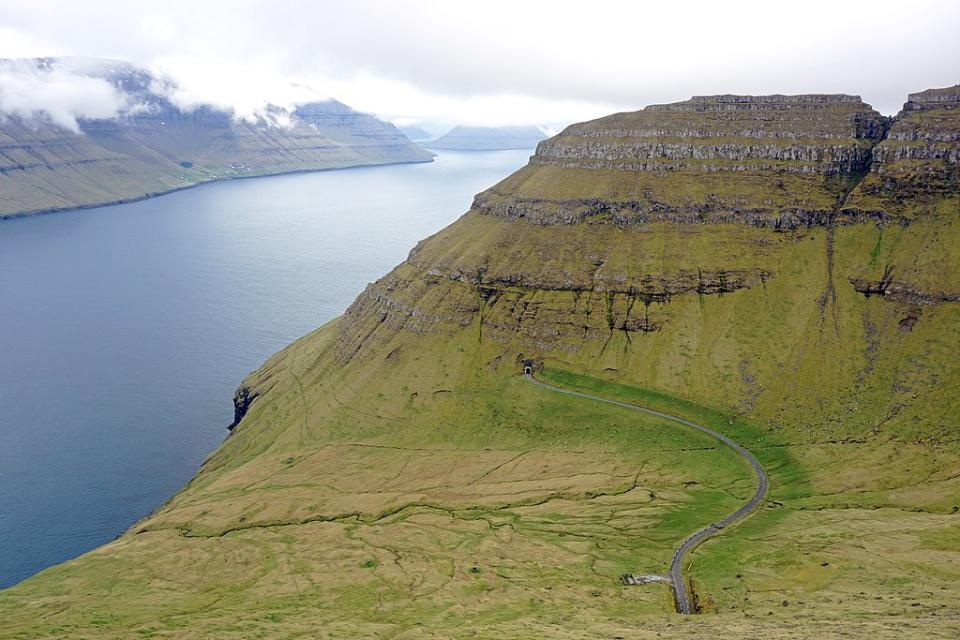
20, 215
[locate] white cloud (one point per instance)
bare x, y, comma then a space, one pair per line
403, 102
502, 60
59, 95
249, 91
20, 44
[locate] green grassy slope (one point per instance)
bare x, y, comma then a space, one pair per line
394, 476
437, 494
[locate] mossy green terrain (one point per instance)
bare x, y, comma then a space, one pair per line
394, 476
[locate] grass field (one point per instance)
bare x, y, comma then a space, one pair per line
461, 501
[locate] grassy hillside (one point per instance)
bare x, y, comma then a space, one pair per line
437, 494
394, 476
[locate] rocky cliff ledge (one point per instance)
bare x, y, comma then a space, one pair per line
777, 161
918, 162
683, 219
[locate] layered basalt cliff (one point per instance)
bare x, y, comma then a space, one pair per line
362, 132
561, 287
155, 146
682, 222
777, 161
918, 163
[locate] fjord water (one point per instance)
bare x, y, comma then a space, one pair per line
124, 330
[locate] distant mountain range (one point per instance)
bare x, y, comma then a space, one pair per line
152, 146
416, 133
488, 138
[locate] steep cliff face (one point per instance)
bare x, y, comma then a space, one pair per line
777, 161
713, 248
352, 125
918, 163
721, 259
156, 146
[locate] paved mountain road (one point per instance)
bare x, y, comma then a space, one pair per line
680, 591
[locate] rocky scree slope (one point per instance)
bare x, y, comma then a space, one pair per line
156, 146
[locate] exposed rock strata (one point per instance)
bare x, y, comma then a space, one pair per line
616, 224
934, 99
770, 161
902, 292
919, 160
626, 212
804, 134
781, 162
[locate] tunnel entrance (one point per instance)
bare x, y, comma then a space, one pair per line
529, 366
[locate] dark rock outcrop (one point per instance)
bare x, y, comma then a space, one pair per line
902, 292
242, 399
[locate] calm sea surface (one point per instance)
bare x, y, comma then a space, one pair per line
124, 330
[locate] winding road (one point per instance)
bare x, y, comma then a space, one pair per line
681, 592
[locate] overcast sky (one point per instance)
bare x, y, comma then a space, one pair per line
504, 62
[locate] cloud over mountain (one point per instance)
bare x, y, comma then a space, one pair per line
504, 62
35, 90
